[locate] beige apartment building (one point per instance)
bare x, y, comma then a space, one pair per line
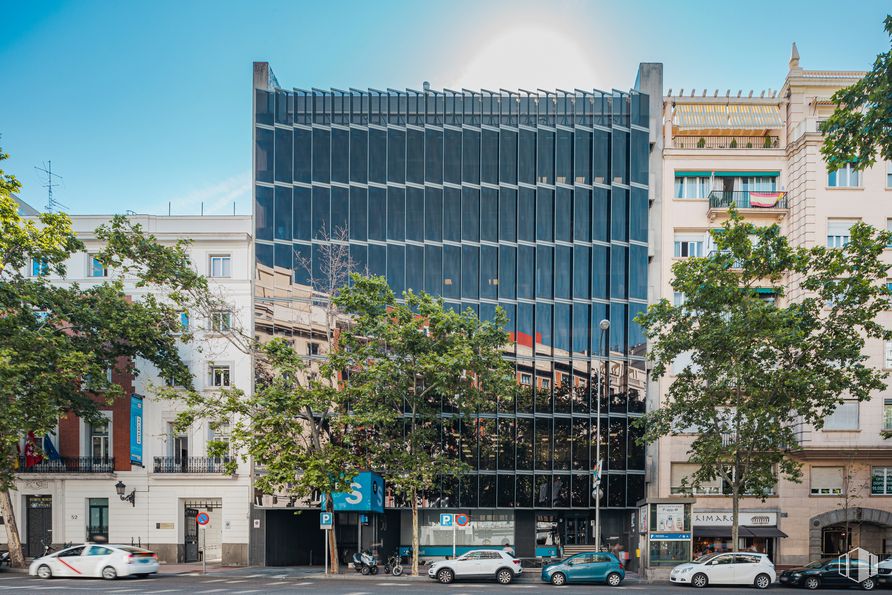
761, 152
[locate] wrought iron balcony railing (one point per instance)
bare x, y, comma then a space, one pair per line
189, 464
68, 465
726, 142
747, 199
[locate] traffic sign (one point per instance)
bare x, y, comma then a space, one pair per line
446, 520
326, 520
462, 520
202, 518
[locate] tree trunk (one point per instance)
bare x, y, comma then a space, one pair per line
735, 519
415, 545
333, 560
16, 557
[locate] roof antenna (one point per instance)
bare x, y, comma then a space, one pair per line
51, 203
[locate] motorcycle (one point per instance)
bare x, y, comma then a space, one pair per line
5, 559
365, 563
393, 565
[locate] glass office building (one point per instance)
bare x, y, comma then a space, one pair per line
535, 202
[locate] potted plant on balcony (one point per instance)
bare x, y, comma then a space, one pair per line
767, 144
733, 143
701, 143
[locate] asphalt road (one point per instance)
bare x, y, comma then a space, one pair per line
269, 583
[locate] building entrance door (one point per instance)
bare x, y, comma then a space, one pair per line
40, 523
576, 531
190, 535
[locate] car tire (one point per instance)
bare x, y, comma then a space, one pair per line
558, 579
365, 570
504, 576
811, 582
763, 581
868, 584
109, 573
699, 580
614, 579
44, 572
445, 576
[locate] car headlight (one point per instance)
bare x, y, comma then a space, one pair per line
684, 570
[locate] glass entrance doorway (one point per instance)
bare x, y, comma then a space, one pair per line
577, 530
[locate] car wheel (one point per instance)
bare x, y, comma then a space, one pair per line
365, 570
763, 581
109, 573
812, 582
44, 572
445, 576
558, 579
868, 584
614, 579
504, 576
699, 580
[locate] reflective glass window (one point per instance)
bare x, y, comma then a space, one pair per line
396, 155
526, 215
639, 156
619, 223
601, 157
638, 215
581, 271
506, 455
620, 157
396, 268
321, 213
303, 255
544, 210
508, 215
359, 155
415, 156
302, 155
580, 330
470, 271
563, 161
433, 214
600, 214
415, 267
433, 155
489, 272
377, 260
489, 169
599, 313
340, 155
263, 155
526, 261
283, 213
563, 268
637, 340
618, 328
526, 157
321, 155
452, 156
471, 156
638, 272
264, 103
562, 329
545, 157
414, 214
544, 271
562, 440
283, 253
452, 214
263, 213
340, 211
507, 263
489, 214
582, 157
508, 157
451, 271
470, 209
563, 218
433, 269
635, 456
358, 213
524, 449
377, 155
264, 255
599, 272
582, 215
617, 446
618, 267
302, 223
396, 213
377, 213
283, 155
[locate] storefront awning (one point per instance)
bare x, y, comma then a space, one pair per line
716, 116
725, 531
766, 532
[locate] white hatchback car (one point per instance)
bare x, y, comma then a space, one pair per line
737, 568
496, 564
95, 560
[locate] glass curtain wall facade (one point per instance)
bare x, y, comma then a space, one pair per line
535, 202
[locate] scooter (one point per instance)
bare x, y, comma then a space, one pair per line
5, 559
365, 563
393, 566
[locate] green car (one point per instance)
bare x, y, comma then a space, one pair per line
588, 567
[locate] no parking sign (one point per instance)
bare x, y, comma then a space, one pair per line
462, 520
203, 519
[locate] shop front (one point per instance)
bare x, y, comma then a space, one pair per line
757, 532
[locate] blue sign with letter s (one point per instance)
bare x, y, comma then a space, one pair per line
136, 403
366, 494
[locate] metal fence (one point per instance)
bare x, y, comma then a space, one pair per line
189, 464
68, 465
726, 142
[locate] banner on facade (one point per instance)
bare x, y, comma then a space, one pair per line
725, 519
670, 518
366, 495
136, 403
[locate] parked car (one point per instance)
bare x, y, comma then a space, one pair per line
94, 560
824, 573
732, 568
885, 572
496, 564
587, 567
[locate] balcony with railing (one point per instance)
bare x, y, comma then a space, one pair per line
726, 142
752, 201
189, 464
68, 465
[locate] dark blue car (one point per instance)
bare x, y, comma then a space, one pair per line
588, 567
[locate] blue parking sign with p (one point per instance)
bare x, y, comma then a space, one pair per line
446, 520
326, 520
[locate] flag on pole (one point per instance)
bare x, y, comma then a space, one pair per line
50, 449
32, 454
596, 475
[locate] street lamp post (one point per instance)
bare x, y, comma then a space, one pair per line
604, 325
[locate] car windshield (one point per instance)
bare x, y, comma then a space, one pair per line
706, 558
816, 563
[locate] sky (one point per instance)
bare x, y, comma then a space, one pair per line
146, 106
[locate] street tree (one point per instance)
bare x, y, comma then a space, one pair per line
751, 372
58, 339
860, 129
417, 368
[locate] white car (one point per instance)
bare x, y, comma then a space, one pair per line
736, 568
496, 564
95, 560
